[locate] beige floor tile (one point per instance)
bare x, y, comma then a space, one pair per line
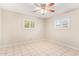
41, 48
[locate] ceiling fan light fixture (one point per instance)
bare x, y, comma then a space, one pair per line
44, 8
43, 11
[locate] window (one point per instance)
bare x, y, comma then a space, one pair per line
62, 23
29, 24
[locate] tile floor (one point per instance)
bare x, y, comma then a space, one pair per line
42, 48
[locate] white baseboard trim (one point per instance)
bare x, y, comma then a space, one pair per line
30, 41
63, 43
70, 46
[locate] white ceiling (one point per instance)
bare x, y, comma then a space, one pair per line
27, 8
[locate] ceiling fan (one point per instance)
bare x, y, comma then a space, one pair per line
43, 8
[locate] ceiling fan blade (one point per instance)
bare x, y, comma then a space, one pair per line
43, 5
35, 10
51, 10
37, 5
50, 4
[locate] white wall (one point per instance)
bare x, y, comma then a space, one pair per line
0, 28
68, 37
14, 32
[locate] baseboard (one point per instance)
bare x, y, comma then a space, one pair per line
63, 44
70, 46
30, 41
